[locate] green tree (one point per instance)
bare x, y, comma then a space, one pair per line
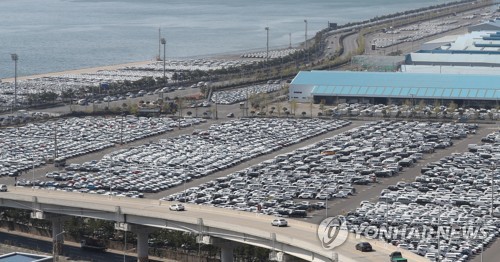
322, 106
452, 106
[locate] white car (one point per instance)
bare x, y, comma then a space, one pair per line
177, 207
3, 188
279, 222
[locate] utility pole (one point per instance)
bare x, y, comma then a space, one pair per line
267, 44
438, 256
164, 43
121, 130
216, 111
55, 141
15, 57
493, 169
305, 43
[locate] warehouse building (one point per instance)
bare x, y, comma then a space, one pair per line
473, 53
490, 25
335, 87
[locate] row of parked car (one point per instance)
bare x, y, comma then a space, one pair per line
154, 167
38, 143
458, 191
241, 94
412, 110
287, 184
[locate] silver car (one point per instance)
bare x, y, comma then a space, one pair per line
279, 222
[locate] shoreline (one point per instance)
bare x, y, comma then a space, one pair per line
78, 71
221, 56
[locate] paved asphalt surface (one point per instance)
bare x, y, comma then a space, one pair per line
249, 226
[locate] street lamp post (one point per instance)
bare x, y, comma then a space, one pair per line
15, 58
33, 170
55, 141
184, 189
164, 43
267, 44
326, 205
493, 169
121, 132
305, 41
56, 246
438, 256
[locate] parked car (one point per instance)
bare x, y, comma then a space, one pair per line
3, 188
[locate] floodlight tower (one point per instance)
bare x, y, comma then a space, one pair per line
15, 58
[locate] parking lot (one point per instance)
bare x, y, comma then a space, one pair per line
330, 168
38, 143
153, 167
413, 110
453, 192
241, 94
327, 169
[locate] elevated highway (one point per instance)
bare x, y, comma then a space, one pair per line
222, 227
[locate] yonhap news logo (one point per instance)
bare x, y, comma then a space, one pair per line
332, 232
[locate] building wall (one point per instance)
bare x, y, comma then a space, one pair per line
300, 93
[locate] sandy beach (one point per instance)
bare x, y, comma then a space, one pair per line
80, 71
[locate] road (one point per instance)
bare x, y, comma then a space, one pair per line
239, 226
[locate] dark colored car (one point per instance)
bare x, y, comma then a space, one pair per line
364, 247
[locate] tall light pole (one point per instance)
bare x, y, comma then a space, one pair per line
55, 141
493, 169
305, 40
267, 43
121, 129
56, 246
326, 205
15, 58
164, 43
438, 257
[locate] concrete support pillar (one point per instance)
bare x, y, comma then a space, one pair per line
226, 253
142, 233
142, 245
226, 246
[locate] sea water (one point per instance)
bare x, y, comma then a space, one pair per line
58, 35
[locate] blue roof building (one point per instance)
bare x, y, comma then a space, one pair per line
385, 87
